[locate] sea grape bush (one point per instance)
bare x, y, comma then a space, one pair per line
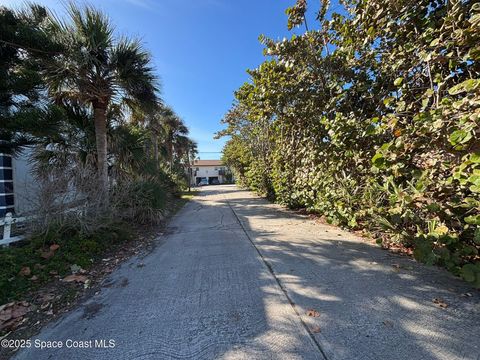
372, 120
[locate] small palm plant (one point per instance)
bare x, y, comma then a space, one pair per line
96, 70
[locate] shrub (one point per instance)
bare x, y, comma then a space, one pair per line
372, 121
74, 248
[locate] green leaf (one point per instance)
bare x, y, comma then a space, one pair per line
472, 219
476, 236
378, 160
459, 137
469, 272
466, 86
388, 100
475, 158
398, 81
474, 179
475, 188
371, 31
370, 130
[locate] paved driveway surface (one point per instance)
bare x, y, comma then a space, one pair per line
238, 278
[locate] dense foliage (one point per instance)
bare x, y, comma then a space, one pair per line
24, 109
372, 120
83, 104
77, 96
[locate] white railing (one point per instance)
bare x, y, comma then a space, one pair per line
7, 222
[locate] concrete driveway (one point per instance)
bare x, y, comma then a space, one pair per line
238, 278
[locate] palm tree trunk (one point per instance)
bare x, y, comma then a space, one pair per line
100, 118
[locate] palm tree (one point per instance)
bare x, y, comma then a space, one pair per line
96, 70
174, 128
152, 121
190, 152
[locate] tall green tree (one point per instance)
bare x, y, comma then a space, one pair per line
97, 69
174, 128
25, 110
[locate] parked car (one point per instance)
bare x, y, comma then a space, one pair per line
203, 182
215, 182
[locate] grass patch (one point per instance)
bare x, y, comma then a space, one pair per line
26, 267
188, 195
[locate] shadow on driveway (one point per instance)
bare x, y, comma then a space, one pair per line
371, 304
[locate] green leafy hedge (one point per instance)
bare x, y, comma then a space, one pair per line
373, 121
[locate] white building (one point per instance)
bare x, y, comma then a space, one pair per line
212, 170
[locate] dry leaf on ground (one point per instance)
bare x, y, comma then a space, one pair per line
25, 271
313, 313
54, 247
75, 278
11, 314
316, 329
440, 302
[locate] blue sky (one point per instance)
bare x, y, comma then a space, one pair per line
201, 50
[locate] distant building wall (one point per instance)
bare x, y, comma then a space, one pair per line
210, 170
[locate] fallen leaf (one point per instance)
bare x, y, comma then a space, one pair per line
54, 247
11, 314
34, 278
7, 305
19, 311
6, 314
53, 272
76, 278
467, 294
10, 325
440, 302
46, 297
316, 329
25, 271
313, 313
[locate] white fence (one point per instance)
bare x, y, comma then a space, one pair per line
7, 223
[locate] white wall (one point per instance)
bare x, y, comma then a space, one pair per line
206, 172
24, 184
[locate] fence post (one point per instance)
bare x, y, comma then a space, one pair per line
7, 227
